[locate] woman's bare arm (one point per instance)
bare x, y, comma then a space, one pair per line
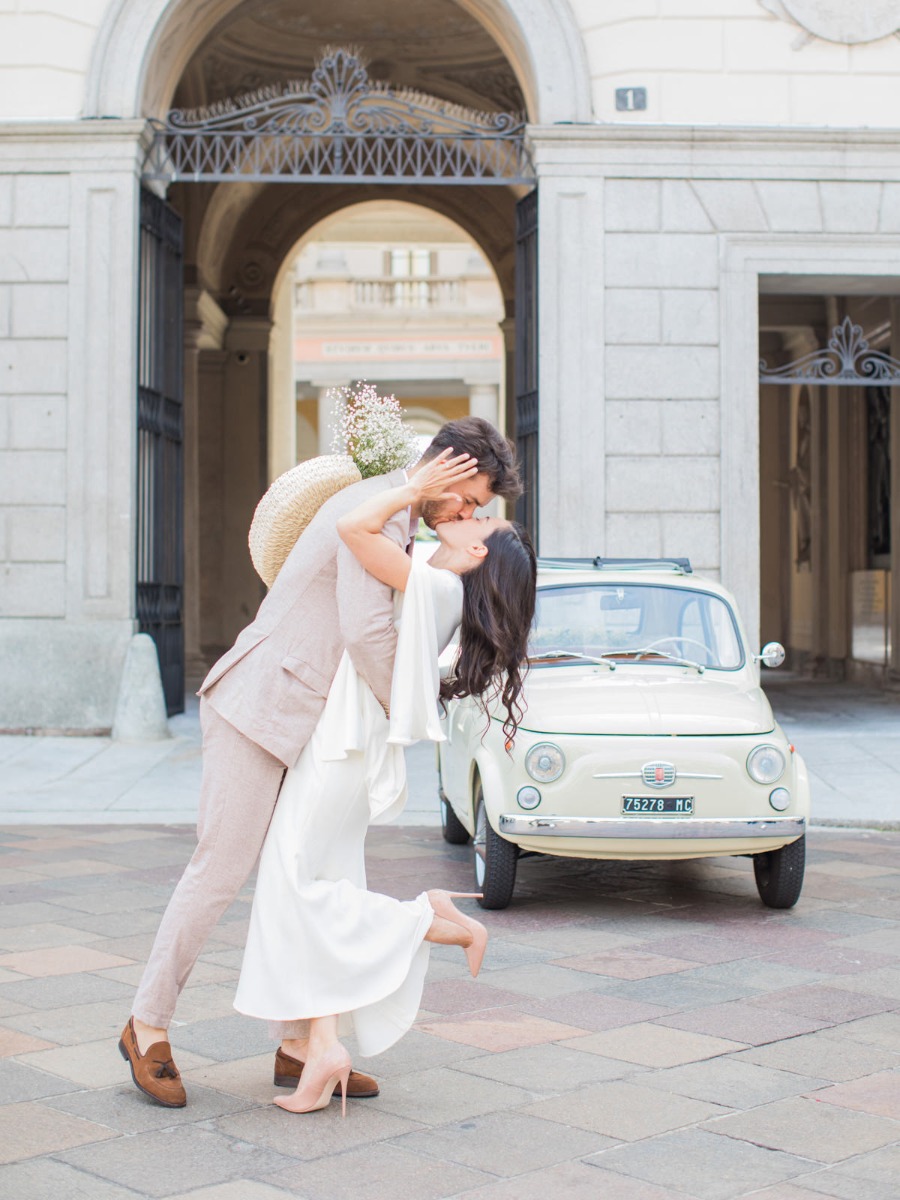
360, 529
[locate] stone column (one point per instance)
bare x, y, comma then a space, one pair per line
282, 439
244, 464
484, 401
204, 329
572, 352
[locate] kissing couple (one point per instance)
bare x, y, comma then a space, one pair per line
304, 722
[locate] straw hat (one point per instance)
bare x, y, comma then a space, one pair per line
290, 504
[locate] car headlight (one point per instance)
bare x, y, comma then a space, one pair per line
545, 762
765, 764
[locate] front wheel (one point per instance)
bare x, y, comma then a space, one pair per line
495, 859
779, 874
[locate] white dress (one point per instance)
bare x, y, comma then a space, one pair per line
319, 942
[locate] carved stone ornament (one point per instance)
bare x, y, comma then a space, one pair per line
847, 21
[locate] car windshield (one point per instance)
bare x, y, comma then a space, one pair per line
626, 622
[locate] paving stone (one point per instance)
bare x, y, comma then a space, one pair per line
452, 1096
541, 980
503, 1143
21, 1082
878, 1094
461, 995
625, 963
829, 1055
42, 1178
743, 1023
869, 1177
594, 1011
12, 1041
700, 948
60, 960
505, 954
755, 975
169, 1161
675, 991
418, 1051
60, 991
822, 1132
548, 1068
29, 1129
574, 1181
623, 1110
382, 1171
38, 937
733, 1082
222, 1038
123, 1108
882, 983
500, 1029
69, 1026
833, 1005
653, 1045
705, 1165
882, 1030
303, 1136
241, 1189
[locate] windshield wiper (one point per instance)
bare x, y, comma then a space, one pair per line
573, 655
681, 662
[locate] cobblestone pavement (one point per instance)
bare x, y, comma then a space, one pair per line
638, 1032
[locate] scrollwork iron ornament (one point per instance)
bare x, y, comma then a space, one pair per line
847, 361
339, 126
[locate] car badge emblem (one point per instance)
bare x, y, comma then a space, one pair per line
658, 774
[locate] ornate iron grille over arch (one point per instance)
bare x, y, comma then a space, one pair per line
847, 361
339, 126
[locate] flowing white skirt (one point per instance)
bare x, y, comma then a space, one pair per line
319, 942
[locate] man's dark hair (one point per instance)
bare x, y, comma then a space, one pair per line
495, 453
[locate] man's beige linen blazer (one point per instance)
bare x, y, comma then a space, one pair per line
272, 684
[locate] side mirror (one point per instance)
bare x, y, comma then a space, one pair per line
771, 655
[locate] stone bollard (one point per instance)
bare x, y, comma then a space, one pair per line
141, 707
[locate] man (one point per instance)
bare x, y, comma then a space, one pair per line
259, 706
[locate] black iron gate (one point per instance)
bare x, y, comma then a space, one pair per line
160, 537
526, 359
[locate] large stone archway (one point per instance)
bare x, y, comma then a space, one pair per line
144, 46
238, 238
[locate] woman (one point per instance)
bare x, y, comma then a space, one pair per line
321, 947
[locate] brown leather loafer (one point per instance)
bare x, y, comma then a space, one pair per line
154, 1073
288, 1069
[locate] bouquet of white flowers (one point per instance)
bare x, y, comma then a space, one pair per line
370, 429
370, 439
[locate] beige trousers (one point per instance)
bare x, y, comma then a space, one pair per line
238, 792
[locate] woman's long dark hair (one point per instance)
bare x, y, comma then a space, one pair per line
498, 609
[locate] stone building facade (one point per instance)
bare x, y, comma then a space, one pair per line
718, 181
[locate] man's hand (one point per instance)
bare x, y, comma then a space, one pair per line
436, 479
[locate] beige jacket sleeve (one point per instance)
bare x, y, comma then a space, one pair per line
365, 610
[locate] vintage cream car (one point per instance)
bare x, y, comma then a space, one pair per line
646, 736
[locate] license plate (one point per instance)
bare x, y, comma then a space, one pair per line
656, 806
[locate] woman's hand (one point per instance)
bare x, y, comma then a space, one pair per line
436, 479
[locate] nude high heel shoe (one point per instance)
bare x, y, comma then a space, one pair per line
317, 1084
442, 904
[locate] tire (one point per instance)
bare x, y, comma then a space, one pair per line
495, 859
779, 874
451, 827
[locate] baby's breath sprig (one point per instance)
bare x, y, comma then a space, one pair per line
370, 429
